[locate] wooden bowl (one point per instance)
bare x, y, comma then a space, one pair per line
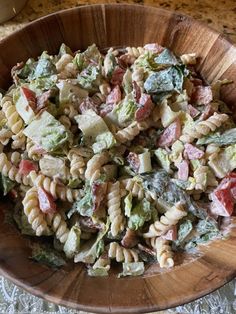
120, 25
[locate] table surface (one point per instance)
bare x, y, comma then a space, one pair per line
219, 14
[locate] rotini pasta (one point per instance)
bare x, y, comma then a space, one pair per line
121, 254
14, 121
77, 164
163, 252
58, 225
94, 165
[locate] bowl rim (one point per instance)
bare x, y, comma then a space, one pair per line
37, 291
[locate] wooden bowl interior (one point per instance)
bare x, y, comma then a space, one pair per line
120, 25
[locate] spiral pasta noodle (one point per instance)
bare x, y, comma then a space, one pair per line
32, 150
135, 51
77, 164
32, 211
134, 187
163, 252
114, 208
170, 218
59, 226
94, 165
121, 254
65, 67
14, 121
19, 141
204, 127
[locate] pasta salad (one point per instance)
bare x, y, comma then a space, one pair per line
123, 157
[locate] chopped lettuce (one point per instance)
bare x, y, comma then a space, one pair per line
46, 255
125, 110
156, 182
98, 272
104, 140
6, 184
27, 69
132, 269
47, 132
147, 61
64, 49
167, 80
22, 106
184, 230
145, 162
53, 167
44, 68
226, 138
109, 64
128, 204
167, 115
92, 249
207, 225
43, 83
166, 57
90, 55
84, 206
140, 213
74, 183
224, 161
90, 78
68, 92
202, 239
163, 159
127, 82
72, 245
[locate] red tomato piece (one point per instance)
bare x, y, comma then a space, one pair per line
29, 96
46, 201
171, 234
117, 76
145, 108
115, 96
154, 47
193, 111
88, 104
183, 170
170, 134
104, 110
192, 152
125, 60
202, 95
43, 100
26, 166
222, 203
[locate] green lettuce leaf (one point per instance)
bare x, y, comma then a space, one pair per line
132, 269
184, 230
72, 244
166, 57
46, 255
226, 138
6, 184
104, 141
98, 272
84, 206
90, 77
90, 55
125, 110
140, 213
167, 80
64, 49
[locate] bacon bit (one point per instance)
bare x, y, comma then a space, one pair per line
146, 249
115, 96
191, 152
133, 161
117, 76
145, 108
183, 170
46, 201
30, 97
154, 47
222, 203
43, 100
99, 193
136, 91
87, 104
130, 238
170, 134
202, 95
126, 60
171, 234
193, 111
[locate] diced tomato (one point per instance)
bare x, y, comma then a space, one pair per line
154, 47
170, 134
136, 91
202, 95
46, 201
30, 97
88, 104
133, 161
117, 76
145, 108
104, 110
115, 96
171, 234
193, 111
99, 193
222, 203
183, 170
26, 166
192, 152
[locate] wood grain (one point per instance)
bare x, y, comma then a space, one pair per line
120, 25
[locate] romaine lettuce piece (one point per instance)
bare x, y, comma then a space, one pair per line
140, 213
90, 55
163, 159
64, 49
109, 64
98, 272
47, 132
167, 80
132, 269
226, 138
145, 162
90, 78
127, 82
125, 110
167, 115
46, 255
70, 93
53, 167
71, 247
166, 57
91, 249
84, 206
45, 67
104, 140
6, 184
22, 222
184, 230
